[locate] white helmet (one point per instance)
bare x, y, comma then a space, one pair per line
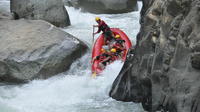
105, 47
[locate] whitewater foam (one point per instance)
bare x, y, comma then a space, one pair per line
72, 91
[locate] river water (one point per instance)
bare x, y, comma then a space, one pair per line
75, 90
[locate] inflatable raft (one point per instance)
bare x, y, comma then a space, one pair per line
96, 51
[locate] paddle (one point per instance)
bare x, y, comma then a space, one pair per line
93, 35
94, 73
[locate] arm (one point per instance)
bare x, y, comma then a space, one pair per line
95, 58
100, 24
95, 25
98, 31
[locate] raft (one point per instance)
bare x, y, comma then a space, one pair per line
96, 50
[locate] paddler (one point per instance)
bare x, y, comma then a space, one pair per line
119, 45
105, 58
102, 26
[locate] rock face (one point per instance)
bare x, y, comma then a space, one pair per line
35, 49
5, 15
104, 6
163, 70
52, 11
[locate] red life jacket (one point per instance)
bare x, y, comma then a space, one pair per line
118, 46
103, 26
103, 56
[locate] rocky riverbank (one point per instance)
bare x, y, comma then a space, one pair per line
162, 71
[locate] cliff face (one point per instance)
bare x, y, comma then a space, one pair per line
163, 70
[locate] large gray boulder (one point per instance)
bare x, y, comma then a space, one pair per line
33, 49
163, 70
52, 11
104, 6
5, 15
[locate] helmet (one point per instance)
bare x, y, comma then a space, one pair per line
102, 50
113, 50
117, 36
97, 18
105, 47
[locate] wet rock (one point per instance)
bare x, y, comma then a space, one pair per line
195, 60
5, 15
104, 6
162, 71
32, 49
52, 11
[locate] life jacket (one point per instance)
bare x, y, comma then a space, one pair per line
119, 45
113, 56
103, 26
103, 56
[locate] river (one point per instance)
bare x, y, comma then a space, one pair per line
74, 90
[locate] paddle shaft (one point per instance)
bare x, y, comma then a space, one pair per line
93, 36
93, 74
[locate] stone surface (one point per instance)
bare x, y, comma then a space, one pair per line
52, 11
5, 15
162, 71
104, 6
33, 49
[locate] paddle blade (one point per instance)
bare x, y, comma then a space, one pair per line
94, 75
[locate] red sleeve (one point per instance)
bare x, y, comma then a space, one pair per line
100, 24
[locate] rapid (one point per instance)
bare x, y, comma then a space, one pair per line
75, 90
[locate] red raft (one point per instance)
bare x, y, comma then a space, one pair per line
96, 51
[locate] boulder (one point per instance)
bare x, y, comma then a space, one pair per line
104, 6
195, 60
163, 70
52, 11
32, 49
5, 15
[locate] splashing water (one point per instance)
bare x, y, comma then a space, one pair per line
75, 90
82, 23
4, 5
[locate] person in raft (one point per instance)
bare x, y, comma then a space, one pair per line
105, 58
119, 45
102, 26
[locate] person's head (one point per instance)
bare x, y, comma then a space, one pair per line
105, 47
117, 36
97, 19
103, 50
113, 50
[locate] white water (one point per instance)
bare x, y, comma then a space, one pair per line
75, 90
82, 23
5, 5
